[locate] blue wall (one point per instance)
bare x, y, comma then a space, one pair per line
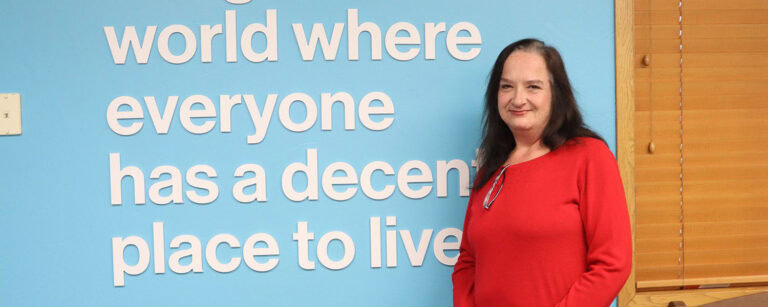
57, 220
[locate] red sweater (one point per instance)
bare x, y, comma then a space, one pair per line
557, 235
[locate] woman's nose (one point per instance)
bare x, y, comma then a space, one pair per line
518, 99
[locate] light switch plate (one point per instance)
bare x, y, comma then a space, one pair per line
10, 114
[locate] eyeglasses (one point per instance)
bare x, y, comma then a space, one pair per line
487, 204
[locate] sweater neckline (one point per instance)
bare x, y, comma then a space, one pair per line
529, 162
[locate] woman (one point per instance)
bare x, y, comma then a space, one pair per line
547, 221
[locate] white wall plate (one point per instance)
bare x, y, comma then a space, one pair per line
10, 114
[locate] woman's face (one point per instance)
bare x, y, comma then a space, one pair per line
525, 93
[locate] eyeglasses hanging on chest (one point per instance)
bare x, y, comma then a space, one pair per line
487, 204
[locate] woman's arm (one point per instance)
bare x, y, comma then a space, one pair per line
464, 269
604, 214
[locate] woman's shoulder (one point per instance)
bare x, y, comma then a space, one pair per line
589, 147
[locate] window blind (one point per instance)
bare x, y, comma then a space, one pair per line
701, 86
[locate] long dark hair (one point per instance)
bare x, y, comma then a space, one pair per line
565, 121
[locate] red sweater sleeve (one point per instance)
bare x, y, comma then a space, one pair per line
464, 269
605, 218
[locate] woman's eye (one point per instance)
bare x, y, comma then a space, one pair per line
506, 86
534, 87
